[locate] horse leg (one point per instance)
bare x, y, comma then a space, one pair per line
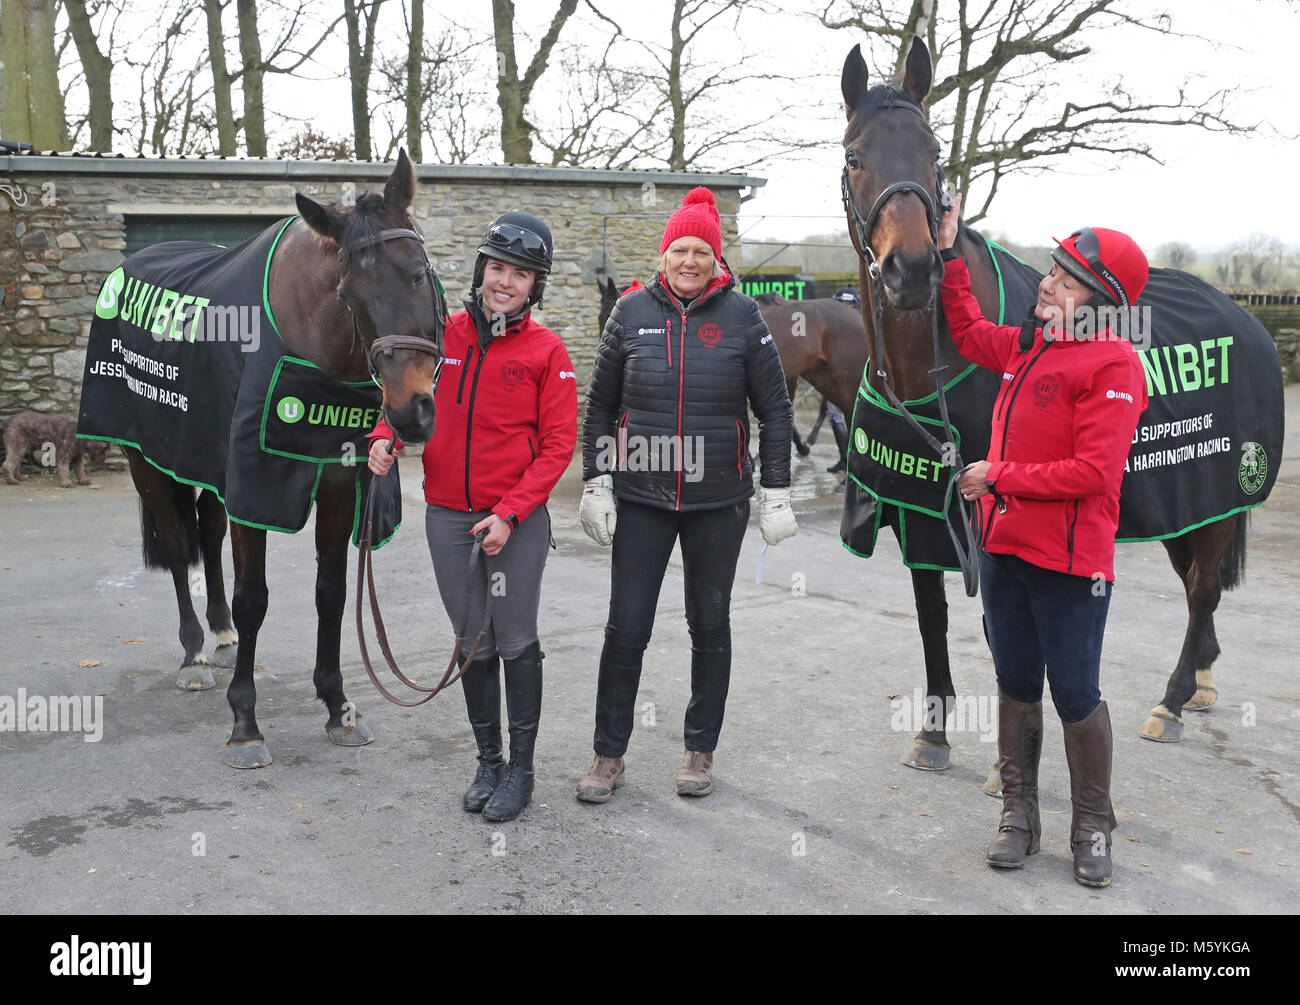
1180, 555
817, 426
800, 446
246, 747
212, 536
335, 510
169, 541
930, 751
1197, 556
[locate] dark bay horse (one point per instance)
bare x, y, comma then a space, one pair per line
340, 278
889, 146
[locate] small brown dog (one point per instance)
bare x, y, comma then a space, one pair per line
55, 437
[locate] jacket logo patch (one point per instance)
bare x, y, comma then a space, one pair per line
1046, 388
512, 372
651, 331
569, 374
710, 334
1120, 394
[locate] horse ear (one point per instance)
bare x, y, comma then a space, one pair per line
399, 190
919, 72
325, 220
853, 80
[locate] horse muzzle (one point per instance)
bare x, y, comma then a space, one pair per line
910, 279
413, 422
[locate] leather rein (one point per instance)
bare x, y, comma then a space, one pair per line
386, 344
864, 226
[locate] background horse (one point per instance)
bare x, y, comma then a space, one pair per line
336, 282
888, 142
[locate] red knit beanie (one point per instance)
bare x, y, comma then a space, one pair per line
698, 217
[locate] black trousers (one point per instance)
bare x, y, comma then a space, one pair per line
643, 543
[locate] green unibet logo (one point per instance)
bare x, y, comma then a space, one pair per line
106, 306
860, 440
290, 409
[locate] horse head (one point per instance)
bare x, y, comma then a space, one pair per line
891, 179
395, 299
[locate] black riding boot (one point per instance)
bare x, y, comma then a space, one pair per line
842, 441
481, 683
524, 708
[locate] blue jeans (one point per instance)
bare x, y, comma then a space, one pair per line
1038, 619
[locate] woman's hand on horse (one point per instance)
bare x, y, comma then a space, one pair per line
948, 225
380, 459
973, 482
498, 533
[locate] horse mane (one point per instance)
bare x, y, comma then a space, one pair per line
768, 299
879, 95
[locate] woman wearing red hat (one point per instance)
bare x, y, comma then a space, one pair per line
679, 361
1049, 504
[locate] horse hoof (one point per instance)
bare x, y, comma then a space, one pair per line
1206, 693
356, 735
225, 656
248, 754
1162, 726
195, 676
927, 756
802, 450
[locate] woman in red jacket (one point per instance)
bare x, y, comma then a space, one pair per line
507, 412
1049, 502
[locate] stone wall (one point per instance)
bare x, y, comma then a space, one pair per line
62, 231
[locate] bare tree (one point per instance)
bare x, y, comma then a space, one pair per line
361, 18
308, 144
227, 128
168, 117
1259, 256
1176, 254
513, 91
999, 90
98, 69
30, 99
414, 48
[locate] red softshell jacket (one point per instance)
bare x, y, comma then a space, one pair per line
1063, 423
506, 420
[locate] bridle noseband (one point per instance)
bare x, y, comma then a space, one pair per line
865, 227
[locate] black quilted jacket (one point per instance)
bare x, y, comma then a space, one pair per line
666, 409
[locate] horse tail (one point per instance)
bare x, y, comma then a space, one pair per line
1232, 566
161, 550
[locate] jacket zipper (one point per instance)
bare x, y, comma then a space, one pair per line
530, 448
469, 420
1024, 368
741, 445
681, 378
1070, 537
464, 369
622, 443
668, 341
1016, 385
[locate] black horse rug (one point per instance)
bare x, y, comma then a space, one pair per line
1207, 446
186, 364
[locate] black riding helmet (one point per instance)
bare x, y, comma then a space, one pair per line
520, 239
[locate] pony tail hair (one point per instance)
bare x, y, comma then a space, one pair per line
159, 550
1232, 567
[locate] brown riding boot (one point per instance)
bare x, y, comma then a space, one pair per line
696, 775
599, 783
1020, 741
1088, 747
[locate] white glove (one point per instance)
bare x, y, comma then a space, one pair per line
597, 511
775, 517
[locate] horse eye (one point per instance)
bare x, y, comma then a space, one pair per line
417, 280
851, 159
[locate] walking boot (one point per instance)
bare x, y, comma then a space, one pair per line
481, 683
696, 775
1020, 741
598, 784
524, 709
1088, 746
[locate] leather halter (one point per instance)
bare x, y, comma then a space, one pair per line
865, 226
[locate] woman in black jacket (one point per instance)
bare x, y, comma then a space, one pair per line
667, 434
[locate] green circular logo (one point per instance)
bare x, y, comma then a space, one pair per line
106, 306
1254, 467
290, 409
860, 440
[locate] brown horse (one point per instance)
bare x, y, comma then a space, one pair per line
340, 277
888, 141
822, 341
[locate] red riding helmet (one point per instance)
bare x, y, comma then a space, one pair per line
1106, 261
